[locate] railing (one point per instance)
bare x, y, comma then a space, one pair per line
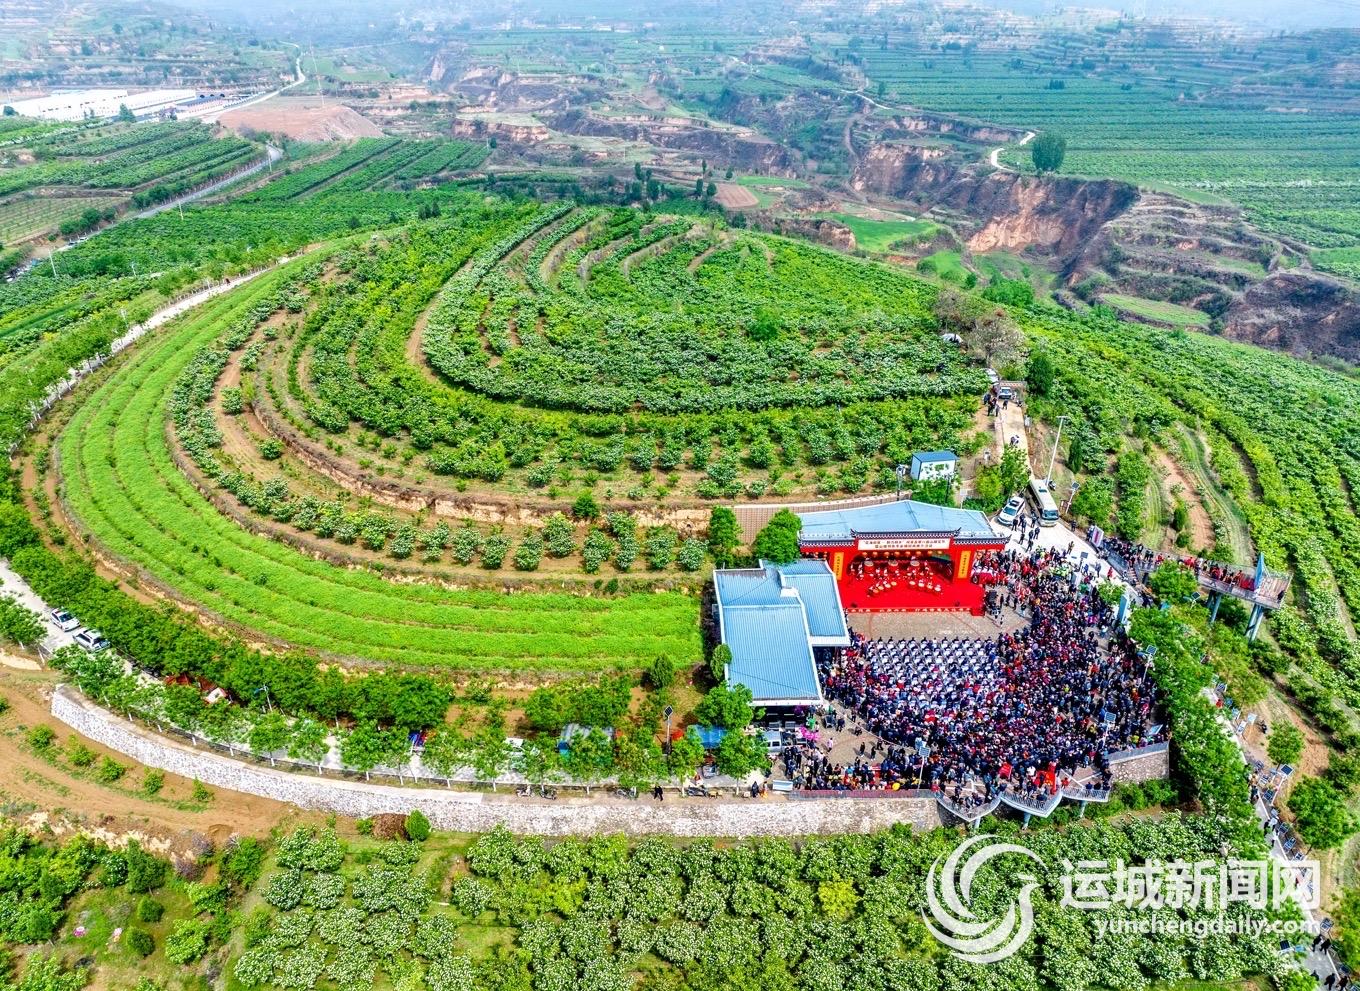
819, 793
1133, 753
1033, 806
966, 812
1081, 794
1269, 593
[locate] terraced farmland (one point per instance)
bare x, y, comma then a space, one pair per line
125, 489
1290, 170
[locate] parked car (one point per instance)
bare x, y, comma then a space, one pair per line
64, 621
91, 640
1005, 392
992, 376
1011, 511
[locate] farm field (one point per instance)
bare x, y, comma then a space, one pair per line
24, 217
119, 165
1137, 127
880, 236
947, 265
1158, 312
486, 413
123, 487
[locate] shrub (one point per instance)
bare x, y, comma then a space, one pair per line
149, 910
418, 826
40, 738
660, 674
691, 555
109, 770
145, 872
1285, 745
242, 862
139, 941
1323, 819
188, 941
78, 754
153, 780
200, 792
585, 507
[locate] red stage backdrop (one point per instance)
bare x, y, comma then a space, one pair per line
903, 556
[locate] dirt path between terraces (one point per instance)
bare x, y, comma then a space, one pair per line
994, 159
1201, 526
50, 794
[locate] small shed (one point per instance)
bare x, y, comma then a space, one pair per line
927, 466
574, 730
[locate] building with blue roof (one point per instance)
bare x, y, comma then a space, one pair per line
772, 618
930, 465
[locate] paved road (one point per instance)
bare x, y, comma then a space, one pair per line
272, 155
995, 157
12, 585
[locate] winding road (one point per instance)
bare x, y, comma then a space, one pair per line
260, 98
995, 157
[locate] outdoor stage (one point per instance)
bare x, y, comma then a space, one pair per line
892, 586
902, 556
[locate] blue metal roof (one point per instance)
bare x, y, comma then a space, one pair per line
769, 616
771, 653
935, 456
821, 597
844, 525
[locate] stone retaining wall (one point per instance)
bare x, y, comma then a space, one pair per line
479, 811
1145, 767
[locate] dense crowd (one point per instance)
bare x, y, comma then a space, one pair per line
1138, 561
1020, 713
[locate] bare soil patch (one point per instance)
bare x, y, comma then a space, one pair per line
334, 123
735, 197
59, 799
1179, 482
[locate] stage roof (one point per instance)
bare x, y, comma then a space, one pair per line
894, 519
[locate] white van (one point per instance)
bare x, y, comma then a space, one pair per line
1044, 505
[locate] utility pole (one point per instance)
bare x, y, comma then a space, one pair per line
52, 260
1052, 460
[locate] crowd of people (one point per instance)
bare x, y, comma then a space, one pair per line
1019, 713
1137, 561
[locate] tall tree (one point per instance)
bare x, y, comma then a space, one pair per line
308, 742
724, 535
778, 540
1048, 151
269, 735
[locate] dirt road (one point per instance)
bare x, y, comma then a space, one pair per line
65, 799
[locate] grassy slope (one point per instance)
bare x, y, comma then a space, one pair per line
123, 488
